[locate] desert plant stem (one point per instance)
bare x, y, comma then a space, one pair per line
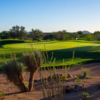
31, 81
21, 84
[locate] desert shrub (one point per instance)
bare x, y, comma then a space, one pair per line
14, 72
1, 95
53, 86
33, 61
78, 80
85, 95
85, 73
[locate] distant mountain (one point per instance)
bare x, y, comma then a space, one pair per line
28, 32
86, 32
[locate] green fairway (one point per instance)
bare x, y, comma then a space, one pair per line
84, 50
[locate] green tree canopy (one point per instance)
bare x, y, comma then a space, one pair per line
4, 35
80, 32
36, 34
89, 37
17, 32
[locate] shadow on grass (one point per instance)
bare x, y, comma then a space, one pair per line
86, 52
3, 42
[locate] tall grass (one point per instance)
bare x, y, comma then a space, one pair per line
53, 83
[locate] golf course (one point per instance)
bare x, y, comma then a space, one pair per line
59, 53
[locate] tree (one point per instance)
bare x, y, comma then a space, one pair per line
48, 36
17, 32
97, 35
36, 34
33, 62
60, 35
89, 37
15, 70
73, 36
80, 32
4, 35
22, 33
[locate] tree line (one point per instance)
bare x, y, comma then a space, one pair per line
19, 32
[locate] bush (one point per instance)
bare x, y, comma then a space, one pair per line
53, 86
85, 95
85, 73
1, 95
14, 72
89, 37
78, 80
33, 61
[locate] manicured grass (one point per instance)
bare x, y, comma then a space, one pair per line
84, 50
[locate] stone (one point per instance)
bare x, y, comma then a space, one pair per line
68, 89
79, 87
35, 80
69, 76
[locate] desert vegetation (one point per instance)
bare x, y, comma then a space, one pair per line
15, 70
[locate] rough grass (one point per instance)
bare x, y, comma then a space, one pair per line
84, 50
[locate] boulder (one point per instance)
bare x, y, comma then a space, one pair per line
69, 76
68, 89
35, 80
79, 87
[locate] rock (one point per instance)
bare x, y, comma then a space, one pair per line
68, 89
69, 76
98, 85
75, 76
79, 87
35, 80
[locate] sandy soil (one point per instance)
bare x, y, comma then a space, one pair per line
13, 93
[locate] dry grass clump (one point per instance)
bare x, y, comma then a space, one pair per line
85, 73
85, 95
14, 72
53, 85
78, 80
2, 95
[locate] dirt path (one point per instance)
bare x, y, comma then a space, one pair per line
12, 92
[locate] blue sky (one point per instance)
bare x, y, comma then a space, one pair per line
50, 15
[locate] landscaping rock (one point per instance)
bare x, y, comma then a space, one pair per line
68, 89
35, 80
79, 87
69, 76
98, 85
